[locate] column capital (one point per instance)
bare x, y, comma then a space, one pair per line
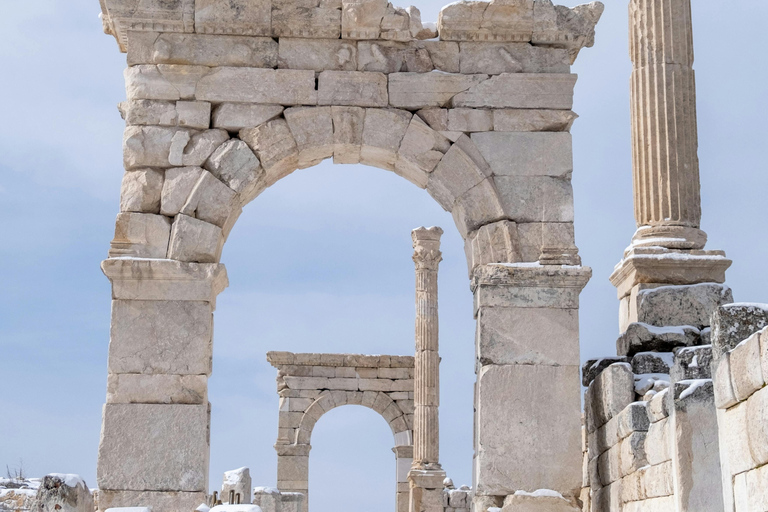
149, 279
426, 247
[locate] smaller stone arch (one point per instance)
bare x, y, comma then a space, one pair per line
310, 385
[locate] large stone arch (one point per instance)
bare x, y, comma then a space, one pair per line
226, 98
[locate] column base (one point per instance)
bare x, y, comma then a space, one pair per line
670, 237
426, 490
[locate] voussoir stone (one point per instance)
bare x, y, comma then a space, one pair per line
275, 147
383, 131
195, 240
140, 235
348, 125
141, 190
352, 88
177, 187
421, 150
211, 201
200, 147
235, 165
312, 129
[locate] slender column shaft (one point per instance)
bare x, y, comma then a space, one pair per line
426, 438
664, 130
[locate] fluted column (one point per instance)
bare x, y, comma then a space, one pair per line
664, 131
426, 476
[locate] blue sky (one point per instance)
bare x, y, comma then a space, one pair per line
321, 261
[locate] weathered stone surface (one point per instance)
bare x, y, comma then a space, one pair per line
141, 190
757, 426
195, 240
487, 21
352, 88
243, 17
189, 114
658, 406
318, 54
548, 397
257, 85
419, 90
652, 362
163, 81
524, 502
276, 148
692, 363
640, 337
239, 481
746, 372
211, 201
493, 243
177, 187
436, 118
134, 388
236, 166
523, 336
421, 150
140, 235
347, 134
536, 236
724, 394
383, 131
457, 173
533, 120
152, 146
520, 90
361, 19
681, 305
200, 147
236, 116
160, 337
536, 198
470, 120
497, 58
201, 50
526, 154
733, 323
392, 57
610, 392
158, 500
312, 129
154, 447
119, 17
306, 18
633, 418
65, 493
593, 367
732, 431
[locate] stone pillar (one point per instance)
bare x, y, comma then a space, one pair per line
664, 133
426, 475
527, 395
155, 435
293, 470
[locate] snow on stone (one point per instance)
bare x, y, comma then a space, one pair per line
647, 381
541, 493
71, 480
129, 509
233, 477
203, 508
693, 385
236, 508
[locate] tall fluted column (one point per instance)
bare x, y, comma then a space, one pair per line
664, 132
426, 476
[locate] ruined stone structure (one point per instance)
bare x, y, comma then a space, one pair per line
227, 97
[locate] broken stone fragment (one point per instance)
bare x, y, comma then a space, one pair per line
275, 147
141, 190
211, 200
733, 323
652, 362
593, 367
641, 337
239, 481
242, 17
421, 150
64, 493
235, 164
570, 28
177, 187
201, 146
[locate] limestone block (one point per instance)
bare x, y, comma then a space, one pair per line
609, 394
236, 166
531, 502
318, 54
140, 191
163, 81
67, 493
194, 114
421, 150
396, 24
692, 363
470, 120
211, 201
746, 372
238, 480
190, 114
681, 305
641, 337
151, 146
733, 323
487, 21
550, 434
652, 362
493, 243
537, 235
177, 187
520, 90
756, 488
140, 235
168, 337
527, 154
657, 448
533, 120
257, 85
201, 50
361, 19
312, 129
757, 426
120, 16
736, 443
306, 18
525, 336
132, 388
420, 90
658, 406
200, 147
593, 367
497, 58
154, 447
275, 147
383, 131
236, 116
292, 468
633, 453
436, 118
393, 57
478, 206
528, 286
536, 198
348, 125
352, 88
456, 173
195, 240
724, 394
243, 17
662, 504
633, 418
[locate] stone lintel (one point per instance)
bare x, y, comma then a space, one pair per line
643, 265
293, 450
427, 478
148, 279
278, 359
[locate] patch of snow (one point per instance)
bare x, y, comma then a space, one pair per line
494, 509
667, 357
693, 385
236, 508
232, 477
69, 479
203, 508
694, 362
265, 490
430, 25
129, 509
541, 493
524, 264
647, 381
676, 329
